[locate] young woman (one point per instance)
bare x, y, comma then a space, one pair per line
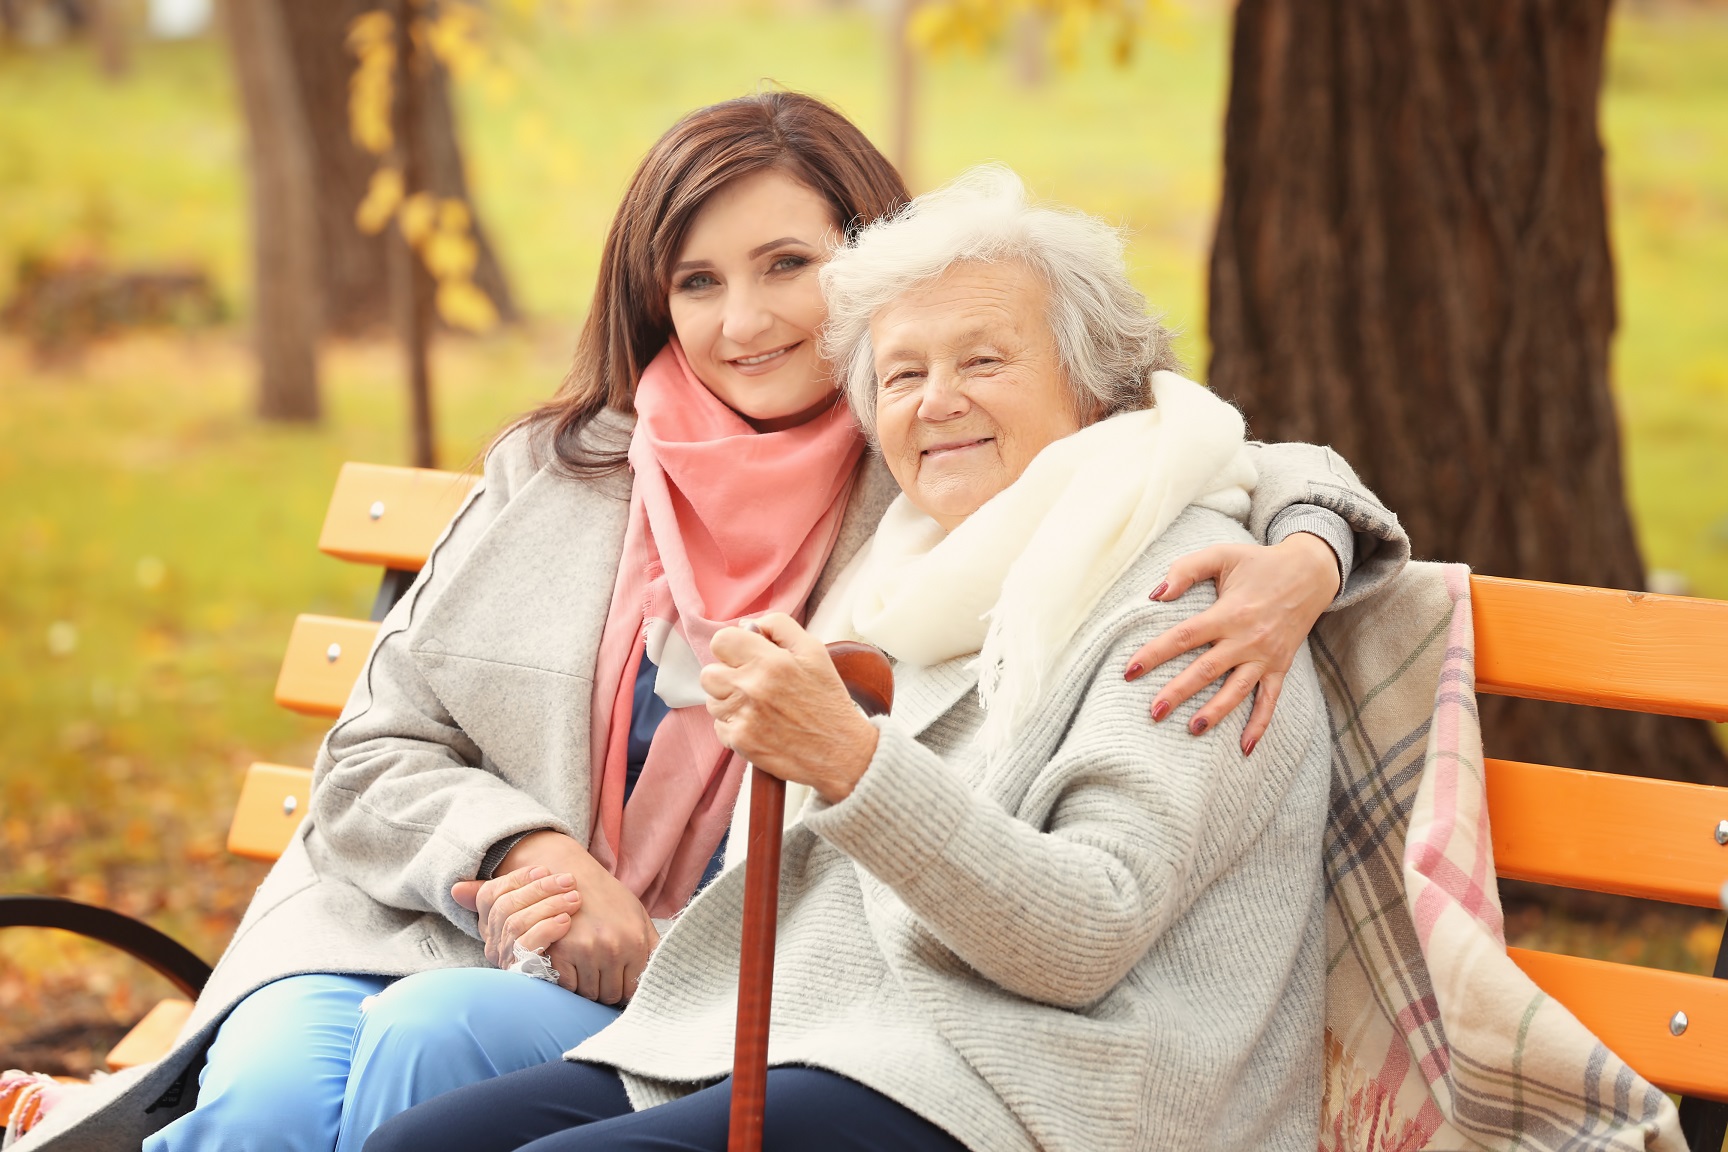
525, 776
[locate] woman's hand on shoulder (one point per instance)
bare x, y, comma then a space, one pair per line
777, 700
1268, 599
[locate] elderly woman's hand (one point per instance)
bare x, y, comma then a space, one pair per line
1268, 599
777, 700
556, 899
529, 906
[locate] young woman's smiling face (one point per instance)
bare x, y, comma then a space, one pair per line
745, 301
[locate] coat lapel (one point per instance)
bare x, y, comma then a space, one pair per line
510, 644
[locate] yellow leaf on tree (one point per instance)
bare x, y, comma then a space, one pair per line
977, 26
930, 28
372, 88
464, 306
454, 37
383, 195
417, 215
450, 255
1071, 27
453, 215
532, 133
370, 28
499, 84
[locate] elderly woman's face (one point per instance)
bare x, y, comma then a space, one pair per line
969, 387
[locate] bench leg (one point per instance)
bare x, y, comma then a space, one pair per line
391, 589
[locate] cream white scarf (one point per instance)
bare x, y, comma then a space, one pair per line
1018, 578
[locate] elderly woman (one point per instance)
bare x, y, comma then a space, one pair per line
1015, 915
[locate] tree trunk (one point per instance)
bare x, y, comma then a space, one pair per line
286, 303
411, 285
1412, 264
357, 266
902, 88
1030, 41
113, 47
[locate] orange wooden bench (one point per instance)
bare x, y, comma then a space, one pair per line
1559, 826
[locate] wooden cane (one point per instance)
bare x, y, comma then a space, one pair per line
869, 680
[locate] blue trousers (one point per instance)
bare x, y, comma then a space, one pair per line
315, 1063
568, 1107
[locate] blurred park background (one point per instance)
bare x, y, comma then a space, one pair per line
157, 535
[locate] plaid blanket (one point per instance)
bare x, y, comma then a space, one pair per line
1434, 1038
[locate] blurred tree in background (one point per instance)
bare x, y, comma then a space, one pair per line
288, 301
351, 130
1412, 264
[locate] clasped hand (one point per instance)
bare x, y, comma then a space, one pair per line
551, 896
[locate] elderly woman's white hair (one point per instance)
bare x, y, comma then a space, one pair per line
1107, 342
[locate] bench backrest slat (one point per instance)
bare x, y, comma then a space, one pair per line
1630, 1009
390, 516
272, 803
1655, 839
1631, 650
324, 657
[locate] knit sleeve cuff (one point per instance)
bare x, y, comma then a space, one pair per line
494, 857
901, 813
1321, 522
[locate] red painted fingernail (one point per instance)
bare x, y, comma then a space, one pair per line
1160, 709
1159, 591
1134, 670
1199, 725
1248, 745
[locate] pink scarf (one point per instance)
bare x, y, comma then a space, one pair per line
725, 523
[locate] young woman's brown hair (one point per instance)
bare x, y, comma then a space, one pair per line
629, 320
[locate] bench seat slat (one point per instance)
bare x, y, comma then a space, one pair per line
152, 1037
272, 803
1629, 1010
1622, 834
324, 657
412, 506
1630, 650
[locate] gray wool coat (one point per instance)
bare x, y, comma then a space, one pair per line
1110, 939
470, 724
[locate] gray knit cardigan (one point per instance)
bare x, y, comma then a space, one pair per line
1110, 940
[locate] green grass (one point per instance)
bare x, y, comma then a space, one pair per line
152, 522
